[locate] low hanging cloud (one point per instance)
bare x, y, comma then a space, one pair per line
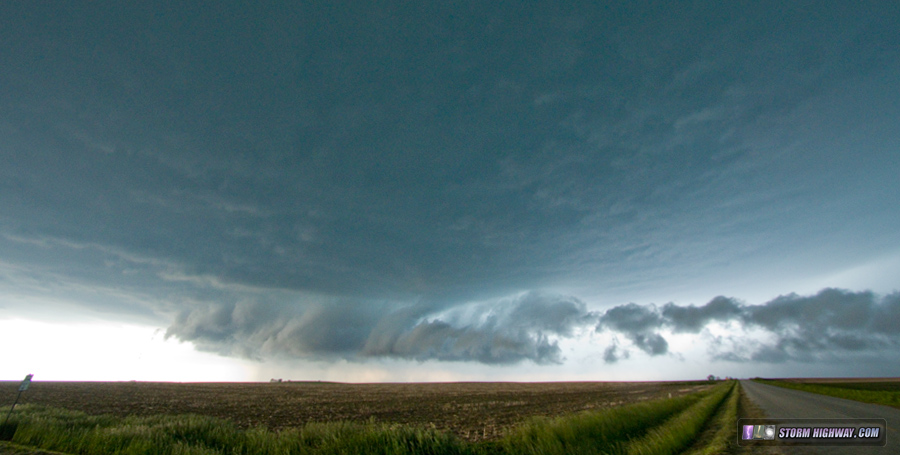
613, 353
492, 332
530, 326
525, 327
313, 328
692, 319
639, 324
831, 321
800, 328
486, 344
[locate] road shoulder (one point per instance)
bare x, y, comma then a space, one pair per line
749, 410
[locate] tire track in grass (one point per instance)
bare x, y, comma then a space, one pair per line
590, 432
676, 434
720, 434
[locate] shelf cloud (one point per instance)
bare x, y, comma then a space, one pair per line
524, 327
539, 189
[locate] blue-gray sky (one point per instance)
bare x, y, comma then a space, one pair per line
555, 191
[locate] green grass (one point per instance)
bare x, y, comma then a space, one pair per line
680, 431
8, 448
871, 386
868, 393
588, 432
79, 433
664, 426
723, 439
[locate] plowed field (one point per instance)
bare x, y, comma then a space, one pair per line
473, 411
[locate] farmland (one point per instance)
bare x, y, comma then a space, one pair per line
389, 419
471, 411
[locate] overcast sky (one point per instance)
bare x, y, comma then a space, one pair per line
473, 191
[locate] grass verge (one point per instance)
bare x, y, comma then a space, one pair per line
722, 428
885, 397
678, 432
588, 432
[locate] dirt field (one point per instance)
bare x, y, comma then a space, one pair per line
473, 411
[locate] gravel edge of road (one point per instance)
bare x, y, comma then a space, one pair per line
747, 409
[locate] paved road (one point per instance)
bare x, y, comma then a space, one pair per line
794, 404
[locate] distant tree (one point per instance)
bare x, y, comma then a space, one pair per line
711, 377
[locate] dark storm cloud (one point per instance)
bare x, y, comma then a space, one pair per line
651, 343
438, 340
317, 328
638, 323
833, 320
320, 181
692, 319
613, 353
504, 331
632, 318
801, 328
526, 327
346, 154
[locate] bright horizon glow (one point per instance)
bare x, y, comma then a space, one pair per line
103, 351
142, 353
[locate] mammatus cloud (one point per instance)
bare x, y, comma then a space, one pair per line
800, 328
525, 327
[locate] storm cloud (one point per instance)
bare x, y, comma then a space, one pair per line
832, 321
504, 331
613, 353
530, 325
801, 328
479, 182
638, 323
692, 319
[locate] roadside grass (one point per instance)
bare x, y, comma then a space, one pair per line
723, 426
893, 386
588, 432
853, 392
665, 426
679, 432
